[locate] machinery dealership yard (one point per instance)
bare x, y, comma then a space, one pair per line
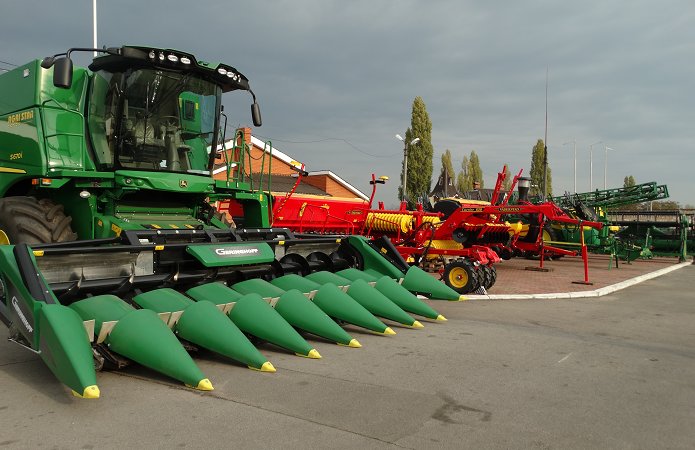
606, 372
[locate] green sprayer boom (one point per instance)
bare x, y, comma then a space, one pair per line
110, 252
610, 198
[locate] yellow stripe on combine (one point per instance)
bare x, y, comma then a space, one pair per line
11, 170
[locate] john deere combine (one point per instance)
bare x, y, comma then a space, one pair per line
111, 253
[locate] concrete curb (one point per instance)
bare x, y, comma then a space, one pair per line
582, 294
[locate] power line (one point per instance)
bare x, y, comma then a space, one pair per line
316, 141
8, 63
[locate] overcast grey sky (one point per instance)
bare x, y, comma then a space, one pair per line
336, 79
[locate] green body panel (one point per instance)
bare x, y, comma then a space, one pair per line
53, 330
65, 347
415, 280
420, 282
293, 281
301, 313
254, 316
296, 309
258, 286
203, 324
333, 301
142, 336
218, 255
163, 300
367, 296
394, 292
217, 293
373, 261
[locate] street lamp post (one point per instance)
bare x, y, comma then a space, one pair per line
605, 170
591, 165
574, 141
405, 159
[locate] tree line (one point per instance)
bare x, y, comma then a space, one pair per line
470, 174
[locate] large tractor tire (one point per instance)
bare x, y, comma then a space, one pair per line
490, 276
461, 276
31, 221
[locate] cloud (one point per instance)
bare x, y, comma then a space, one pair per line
330, 72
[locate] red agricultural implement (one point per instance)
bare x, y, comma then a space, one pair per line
460, 239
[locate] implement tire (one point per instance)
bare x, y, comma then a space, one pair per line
461, 276
31, 221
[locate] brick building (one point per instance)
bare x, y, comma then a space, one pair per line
284, 172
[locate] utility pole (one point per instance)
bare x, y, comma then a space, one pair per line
545, 141
591, 165
94, 25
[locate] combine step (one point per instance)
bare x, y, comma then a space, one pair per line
142, 336
298, 310
203, 324
394, 292
255, 316
370, 298
334, 302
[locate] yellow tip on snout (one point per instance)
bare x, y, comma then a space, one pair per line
266, 367
388, 331
463, 298
204, 385
417, 324
441, 318
313, 354
89, 392
354, 343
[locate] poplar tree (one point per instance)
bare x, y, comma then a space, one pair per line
474, 171
448, 169
463, 180
420, 155
507, 183
536, 172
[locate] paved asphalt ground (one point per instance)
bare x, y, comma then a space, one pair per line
616, 371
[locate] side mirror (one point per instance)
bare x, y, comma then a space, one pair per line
62, 73
256, 115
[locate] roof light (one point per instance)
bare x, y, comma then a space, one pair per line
152, 55
185, 60
161, 56
222, 71
173, 58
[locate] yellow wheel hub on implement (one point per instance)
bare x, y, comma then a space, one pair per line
4, 240
458, 277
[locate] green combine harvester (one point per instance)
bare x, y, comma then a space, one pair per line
112, 253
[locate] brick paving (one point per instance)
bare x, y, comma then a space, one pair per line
514, 278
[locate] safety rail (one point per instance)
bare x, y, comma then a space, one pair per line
238, 162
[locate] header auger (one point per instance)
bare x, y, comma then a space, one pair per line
112, 254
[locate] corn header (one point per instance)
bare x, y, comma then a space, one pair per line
111, 253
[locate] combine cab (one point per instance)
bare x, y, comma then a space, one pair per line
111, 253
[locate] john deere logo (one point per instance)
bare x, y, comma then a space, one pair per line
183, 183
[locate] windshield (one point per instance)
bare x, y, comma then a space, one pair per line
153, 120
